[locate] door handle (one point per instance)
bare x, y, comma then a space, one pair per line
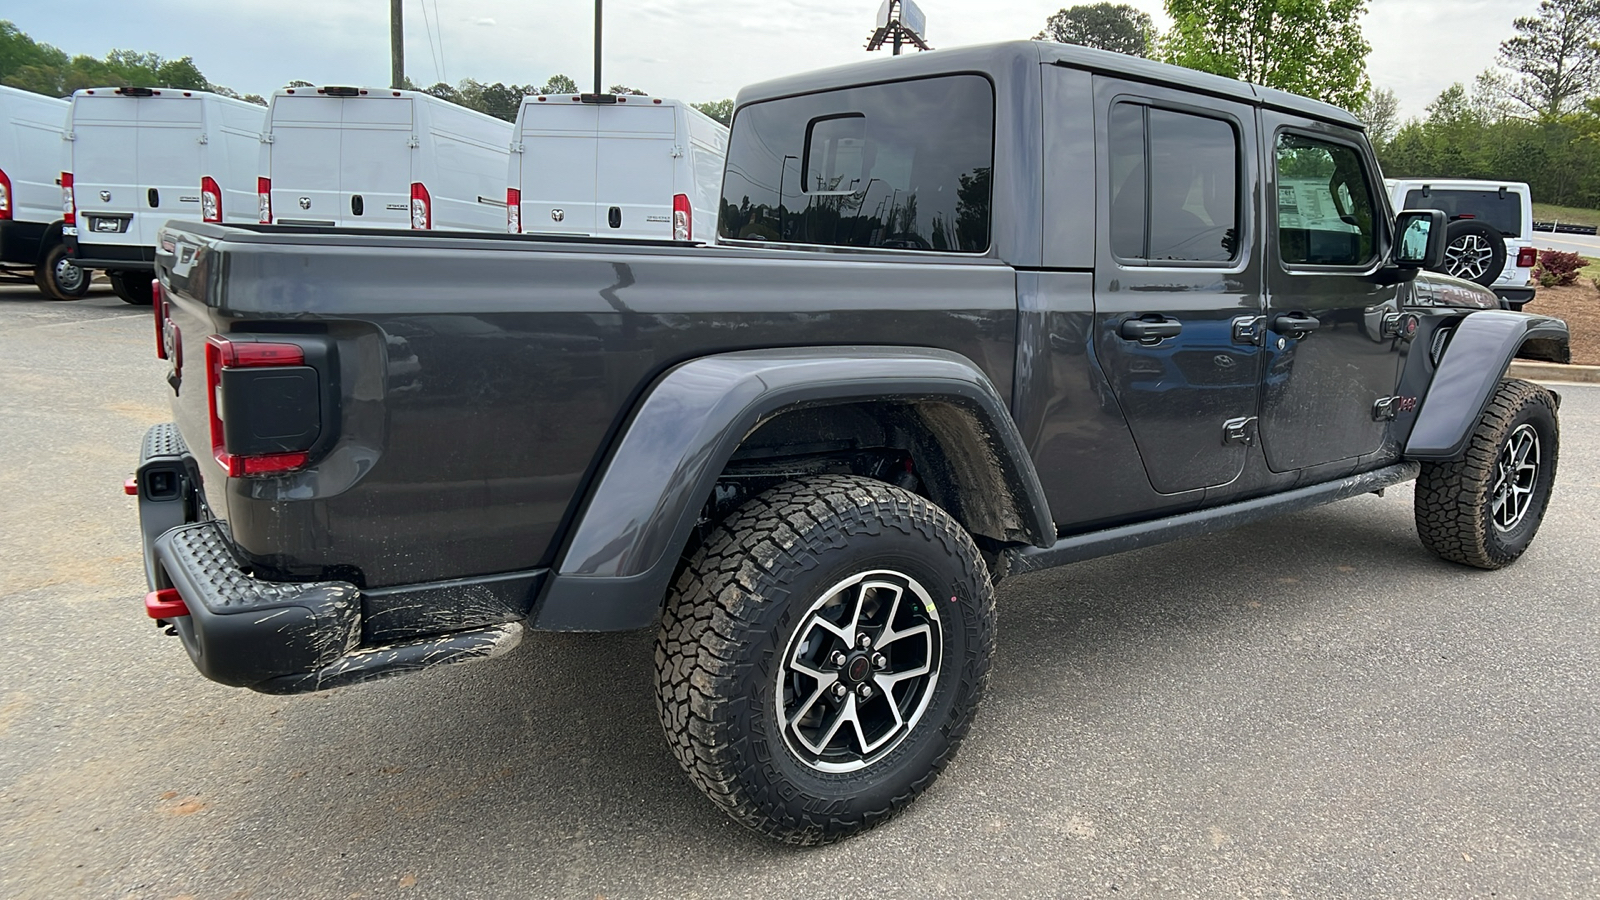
1150, 329
1295, 324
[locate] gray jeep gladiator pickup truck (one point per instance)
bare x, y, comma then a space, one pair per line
968, 314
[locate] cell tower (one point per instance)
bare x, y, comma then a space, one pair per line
899, 21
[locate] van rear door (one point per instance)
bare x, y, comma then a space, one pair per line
375, 161
169, 132
105, 173
558, 166
634, 170
302, 160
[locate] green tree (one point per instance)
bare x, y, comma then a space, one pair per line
1309, 47
559, 84
721, 110
1556, 55
1381, 113
1117, 27
624, 89
29, 65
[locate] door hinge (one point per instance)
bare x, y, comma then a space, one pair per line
413, 143
266, 139
1383, 409
1240, 431
203, 139
518, 148
677, 152
1249, 329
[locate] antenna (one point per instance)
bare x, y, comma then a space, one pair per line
899, 21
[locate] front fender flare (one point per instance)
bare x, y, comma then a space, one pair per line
1474, 362
624, 546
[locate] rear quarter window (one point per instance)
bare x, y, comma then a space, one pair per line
906, 166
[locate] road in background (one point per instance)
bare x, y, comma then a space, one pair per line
1312, 707
1583, 244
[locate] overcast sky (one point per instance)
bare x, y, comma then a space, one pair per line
687, 49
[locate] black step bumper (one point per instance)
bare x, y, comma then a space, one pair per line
274, 637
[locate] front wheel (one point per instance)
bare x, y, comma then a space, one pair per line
58, 278
1483, 510
822, 654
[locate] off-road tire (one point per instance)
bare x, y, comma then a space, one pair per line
47, 277
1455, 500
132, 287
728, 623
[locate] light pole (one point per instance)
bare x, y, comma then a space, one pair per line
397, 45
598, 87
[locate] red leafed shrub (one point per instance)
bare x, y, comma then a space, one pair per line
1557, 269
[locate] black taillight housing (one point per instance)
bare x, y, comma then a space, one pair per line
270, 399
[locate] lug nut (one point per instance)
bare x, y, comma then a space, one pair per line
838, 657
879, 660
864, 692
864, 642
839, 690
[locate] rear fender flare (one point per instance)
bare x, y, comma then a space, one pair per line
1479, 352
624, 546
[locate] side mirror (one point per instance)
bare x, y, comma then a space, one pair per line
1419, 239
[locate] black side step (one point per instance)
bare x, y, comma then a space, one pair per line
1080, 547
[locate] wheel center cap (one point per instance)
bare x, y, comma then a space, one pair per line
857, 668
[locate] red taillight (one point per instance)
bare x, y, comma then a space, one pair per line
158, 307
165, 604
1527, 257
421, 207
682, 218
69, 204
221, 354
5, 196
264, 199
514, 209
210, 200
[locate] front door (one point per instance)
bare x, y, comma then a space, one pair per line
1329, 360
1177, 285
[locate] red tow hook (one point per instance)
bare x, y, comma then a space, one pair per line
131, 487
165, 604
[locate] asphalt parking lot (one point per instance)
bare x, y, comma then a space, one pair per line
1312, 707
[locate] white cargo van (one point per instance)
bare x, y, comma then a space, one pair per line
142, 156
31, 151
380, 158
615, 166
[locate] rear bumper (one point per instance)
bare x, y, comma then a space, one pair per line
21, 242
131, 257
274, 637
1513, 296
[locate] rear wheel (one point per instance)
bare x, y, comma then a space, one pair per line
1484, 509
822, 654
132, 287
58, 278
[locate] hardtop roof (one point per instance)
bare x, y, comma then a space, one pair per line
999, 61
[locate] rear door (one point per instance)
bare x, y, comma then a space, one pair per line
1329, 360
305, 142
105, 168
169, 132
1177, 279
375, 161
558, 167
634, 165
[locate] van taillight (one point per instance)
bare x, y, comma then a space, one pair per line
513, 210
69, 204
210, 200
284, 400
682, 218
158, 306
421, 208
5, 196
264, 199
1527, 257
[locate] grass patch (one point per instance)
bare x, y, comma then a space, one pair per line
1591, 270
1544, 212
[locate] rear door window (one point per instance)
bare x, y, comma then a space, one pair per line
904, 166
1502, 211
1174, 186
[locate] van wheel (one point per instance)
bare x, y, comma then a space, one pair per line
822, 654
58, 278
1484, 509
132, 287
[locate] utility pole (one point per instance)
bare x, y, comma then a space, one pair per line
599, 88
397, 45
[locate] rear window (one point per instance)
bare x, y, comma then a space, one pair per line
1503, 213
905, 166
